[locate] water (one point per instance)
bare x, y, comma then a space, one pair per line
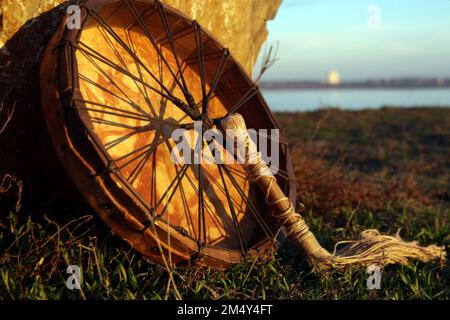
354, 99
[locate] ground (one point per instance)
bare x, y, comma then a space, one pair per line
387, 169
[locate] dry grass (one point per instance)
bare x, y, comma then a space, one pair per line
352, 175
7, 117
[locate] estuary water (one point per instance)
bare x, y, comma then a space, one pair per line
355, 99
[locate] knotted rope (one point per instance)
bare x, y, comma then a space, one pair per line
370, 248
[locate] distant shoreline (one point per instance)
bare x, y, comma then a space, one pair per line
386, 108
349, 88
369, 84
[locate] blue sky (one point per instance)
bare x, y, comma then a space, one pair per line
316, 36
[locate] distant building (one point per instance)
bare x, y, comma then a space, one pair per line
333, 78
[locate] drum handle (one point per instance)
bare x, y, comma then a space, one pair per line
370, 248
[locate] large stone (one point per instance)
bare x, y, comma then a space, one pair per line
17, 12
239, 24
26, 26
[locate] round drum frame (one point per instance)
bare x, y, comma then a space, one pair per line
83, 154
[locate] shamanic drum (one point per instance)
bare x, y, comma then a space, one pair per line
113, 92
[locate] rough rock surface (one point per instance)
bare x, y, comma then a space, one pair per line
25, 28
239, 24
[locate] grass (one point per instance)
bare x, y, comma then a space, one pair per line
385, 169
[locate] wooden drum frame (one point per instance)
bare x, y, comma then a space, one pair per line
112, 93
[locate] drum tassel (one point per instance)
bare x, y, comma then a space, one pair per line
370, 248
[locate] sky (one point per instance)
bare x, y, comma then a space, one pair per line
316, 36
